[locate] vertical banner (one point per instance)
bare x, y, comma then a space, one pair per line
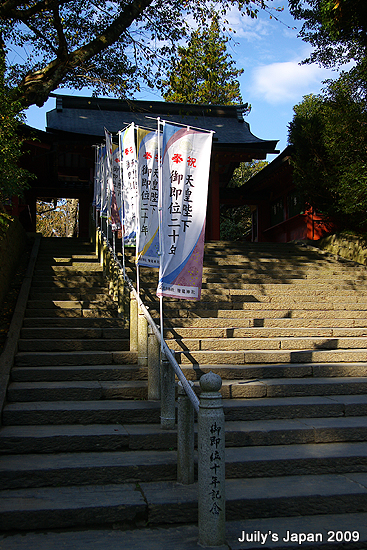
108, 177
185, 173
147, 241
128, 150
97, 179
117, 187
103, 180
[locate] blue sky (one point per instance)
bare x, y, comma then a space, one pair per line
273, 82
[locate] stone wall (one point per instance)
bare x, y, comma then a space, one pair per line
12, 245
348, 247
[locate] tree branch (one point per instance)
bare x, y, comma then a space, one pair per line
37, 85
42, 37
62, 51
10, 9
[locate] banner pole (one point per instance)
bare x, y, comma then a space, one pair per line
160, 253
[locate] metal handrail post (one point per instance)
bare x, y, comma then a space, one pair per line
154, 368
168, 406
185, 438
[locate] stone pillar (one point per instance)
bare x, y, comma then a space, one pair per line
185, 437
168, 407
142, 339
211, 462
133, 323
154, 368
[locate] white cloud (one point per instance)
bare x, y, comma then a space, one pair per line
245, 27
288, 81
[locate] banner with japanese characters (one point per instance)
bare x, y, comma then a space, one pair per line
97, 178
116, 201
185, 173
103, 182
147, 242
113, 213
129, 185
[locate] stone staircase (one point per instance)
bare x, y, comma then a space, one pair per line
284, 326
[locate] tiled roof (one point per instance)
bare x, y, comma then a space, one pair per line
89, 116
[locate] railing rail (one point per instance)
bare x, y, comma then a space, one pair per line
170, 357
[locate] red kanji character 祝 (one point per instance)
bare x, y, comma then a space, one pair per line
191, 162
177, 158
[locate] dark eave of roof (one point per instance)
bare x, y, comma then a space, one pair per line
264, 174
88, 116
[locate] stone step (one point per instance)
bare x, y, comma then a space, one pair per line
63, 344
167, 502
68, 469
186, 307
81, 412
133, 437
74, 333
279, 293
265, 313
58, 282
250, 301
271, 356
123, 412
192, 372
76, 269
69, 304
315, 289
80, 262
66, 438
67, 295
278, 370
77, 390
263, 322
80, 322
293, 343
98, 310
262, 332
28, 359
286, 533
78, 373
137, 389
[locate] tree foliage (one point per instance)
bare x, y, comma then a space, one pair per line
57, 218
245, 171
236, 222
336, 28
329, 135
13, 179
109, 45
204, 71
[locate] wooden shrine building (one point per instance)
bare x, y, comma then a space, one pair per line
62, 157
278, 214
